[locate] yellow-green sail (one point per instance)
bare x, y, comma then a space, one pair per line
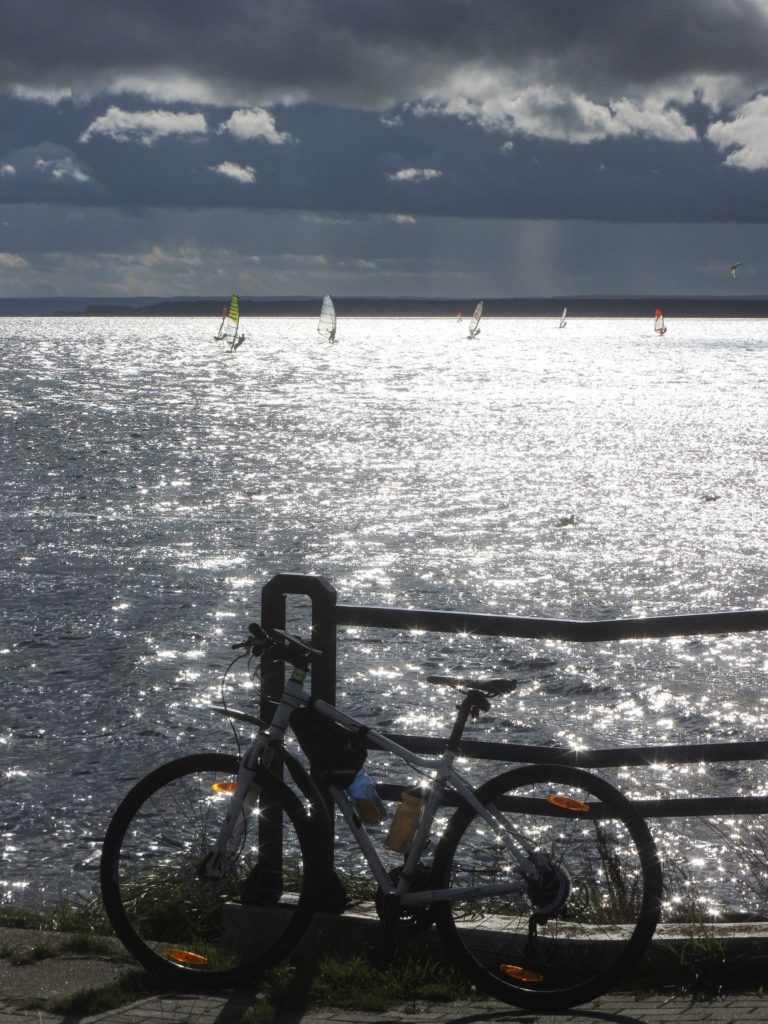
231, 313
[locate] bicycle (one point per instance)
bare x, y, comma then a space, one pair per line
545, 885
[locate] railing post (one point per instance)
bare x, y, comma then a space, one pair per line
323, 629
323, 636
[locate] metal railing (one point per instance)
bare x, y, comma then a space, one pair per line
327, 615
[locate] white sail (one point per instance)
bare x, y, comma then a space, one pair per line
220, 333
327, 323
658, 325
474, 323
562, 318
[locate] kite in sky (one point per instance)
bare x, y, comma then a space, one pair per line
734, 268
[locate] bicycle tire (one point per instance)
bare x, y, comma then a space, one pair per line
201, 932
602, 872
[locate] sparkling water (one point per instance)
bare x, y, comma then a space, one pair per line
153, 482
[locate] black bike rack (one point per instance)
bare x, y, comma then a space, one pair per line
327, 615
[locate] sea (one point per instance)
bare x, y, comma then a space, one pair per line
153, 482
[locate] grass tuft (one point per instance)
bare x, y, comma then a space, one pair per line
354, 983
82, 916
130, 987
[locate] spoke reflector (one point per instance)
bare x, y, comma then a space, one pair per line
568, 803
224, 787
187, 957
521, 973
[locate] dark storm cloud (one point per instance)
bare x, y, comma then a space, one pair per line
557, 70
374, 54
386, 112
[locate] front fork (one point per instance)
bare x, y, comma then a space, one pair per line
218, 861
258, 755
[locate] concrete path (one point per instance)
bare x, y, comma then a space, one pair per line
24, 979
614, 1009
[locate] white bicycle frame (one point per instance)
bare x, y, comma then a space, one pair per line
259, 754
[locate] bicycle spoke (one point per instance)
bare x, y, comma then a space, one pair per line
564, 932
168, 914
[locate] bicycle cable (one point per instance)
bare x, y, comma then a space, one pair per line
245, 654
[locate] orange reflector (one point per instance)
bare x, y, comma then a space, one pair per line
521, 973
186, 957
568, 803
224, 787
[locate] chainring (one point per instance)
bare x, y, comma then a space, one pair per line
412, 920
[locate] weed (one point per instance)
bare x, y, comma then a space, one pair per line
33, 955
745, 843
82, 916
354, 983
21, 917
89, 945
262, 1013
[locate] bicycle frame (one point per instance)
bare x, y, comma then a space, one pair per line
534, 900
270, 739
444, 775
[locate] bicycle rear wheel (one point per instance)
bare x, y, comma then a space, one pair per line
570, 935
201, 931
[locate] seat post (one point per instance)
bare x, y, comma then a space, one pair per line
473, 700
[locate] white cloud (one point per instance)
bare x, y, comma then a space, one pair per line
254, 123
548, 112
144, 126
7, 170
164, 85
237, 172
325, 218
653, 119
10, 261
305, 260
415, 174
745, 135
403, 218
49, 96
62, 167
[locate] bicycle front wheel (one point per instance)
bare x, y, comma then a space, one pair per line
566, 932
208, 932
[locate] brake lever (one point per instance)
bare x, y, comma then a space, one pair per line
277, 639
258, 636
290, 638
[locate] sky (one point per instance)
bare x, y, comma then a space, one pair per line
488, 148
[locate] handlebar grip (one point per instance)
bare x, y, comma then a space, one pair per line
258, 639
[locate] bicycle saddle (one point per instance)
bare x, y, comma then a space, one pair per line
489, 687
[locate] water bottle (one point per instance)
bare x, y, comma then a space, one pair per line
407, 816
367, 801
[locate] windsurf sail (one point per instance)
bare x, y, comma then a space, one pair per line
734, 268
659, 325
562, 318
230, 323
327, 323
474, 323
459, 317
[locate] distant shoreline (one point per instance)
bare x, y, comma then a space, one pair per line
614, 308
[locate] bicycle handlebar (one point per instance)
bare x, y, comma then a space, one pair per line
285, 646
